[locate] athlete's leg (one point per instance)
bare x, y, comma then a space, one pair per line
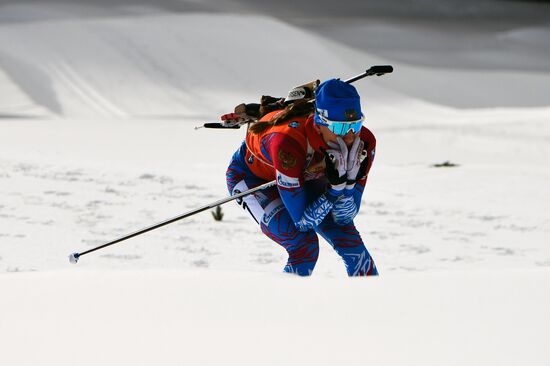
302, 247
268, 210
347, 242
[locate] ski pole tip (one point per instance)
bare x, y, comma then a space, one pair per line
73, 258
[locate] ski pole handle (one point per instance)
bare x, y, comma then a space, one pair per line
219, 125
377, 70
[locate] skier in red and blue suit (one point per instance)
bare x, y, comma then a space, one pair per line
320, 162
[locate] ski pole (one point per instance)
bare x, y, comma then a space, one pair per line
73, 258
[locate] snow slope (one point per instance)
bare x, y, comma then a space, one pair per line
157, 66
241, 318
201, 65
73, 183
70, 185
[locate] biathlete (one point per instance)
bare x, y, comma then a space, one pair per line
320, 155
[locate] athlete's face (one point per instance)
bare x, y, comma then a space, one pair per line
330, 136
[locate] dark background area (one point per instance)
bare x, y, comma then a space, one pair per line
312, 11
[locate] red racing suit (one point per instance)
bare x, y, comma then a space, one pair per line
292, 153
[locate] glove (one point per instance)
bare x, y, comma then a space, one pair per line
356, 162
336, 162
236, 119
363, 166
244, 113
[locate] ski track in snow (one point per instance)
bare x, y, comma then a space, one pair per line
89, 96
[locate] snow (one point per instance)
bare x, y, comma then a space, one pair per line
183, 75
234, 317
97, 135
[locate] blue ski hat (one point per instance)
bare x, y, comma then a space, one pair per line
338, 101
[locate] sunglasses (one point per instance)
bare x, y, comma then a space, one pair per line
341, 128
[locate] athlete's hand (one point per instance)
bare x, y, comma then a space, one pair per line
236, 119
336, 159
357, 157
